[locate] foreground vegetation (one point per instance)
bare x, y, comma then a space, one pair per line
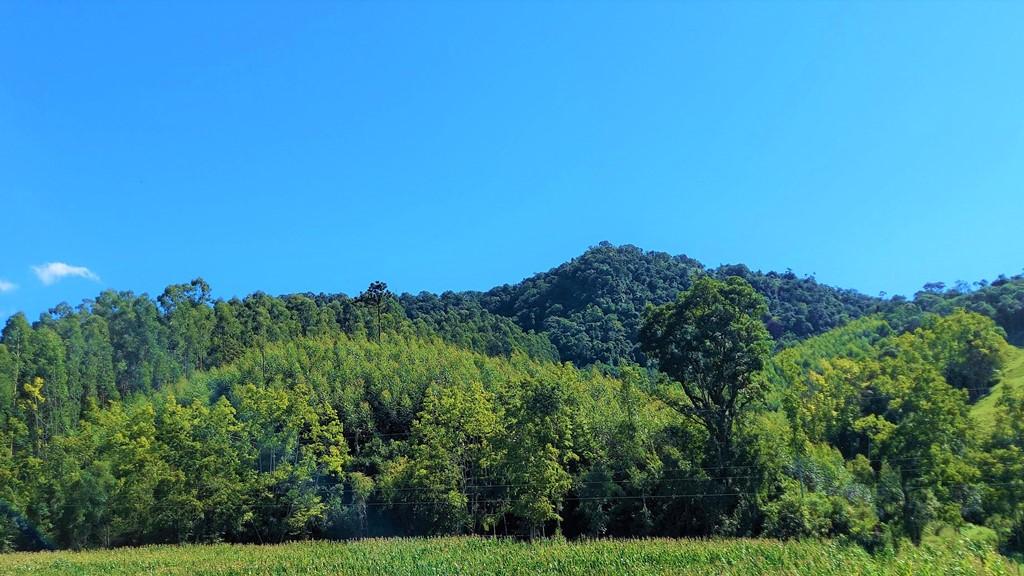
398, 557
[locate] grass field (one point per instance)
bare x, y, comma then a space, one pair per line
483, 556
1012, 377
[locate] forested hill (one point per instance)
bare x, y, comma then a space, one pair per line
134, 420
591, 307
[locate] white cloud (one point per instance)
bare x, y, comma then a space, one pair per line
6, 286
53, 271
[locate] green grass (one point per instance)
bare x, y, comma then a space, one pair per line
1012, 377
971, 534
484, 556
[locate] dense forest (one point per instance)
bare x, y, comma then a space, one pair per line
624, 393
591, 307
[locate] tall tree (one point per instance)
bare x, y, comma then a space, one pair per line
98, 363
190, 320
376, 295
712, 341
61, 410
8, 386
227, 339
17, 336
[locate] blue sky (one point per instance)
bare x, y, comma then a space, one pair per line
318, 146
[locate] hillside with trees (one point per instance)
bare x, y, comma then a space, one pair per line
695, 409
591, 307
